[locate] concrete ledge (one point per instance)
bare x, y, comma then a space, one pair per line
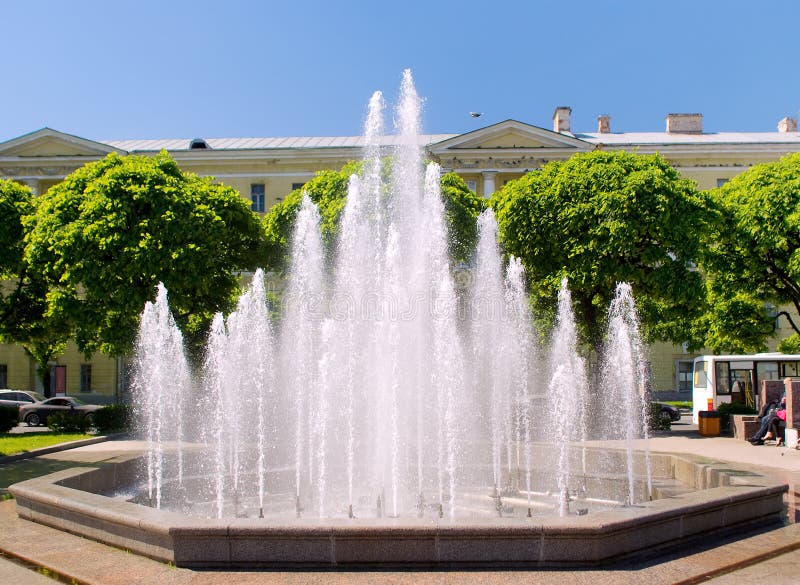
64, 500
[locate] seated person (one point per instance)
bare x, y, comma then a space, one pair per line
768, 416
778, 425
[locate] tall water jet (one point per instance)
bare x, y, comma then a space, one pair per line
568, 392
251, 371
491, 344
625, 380
161, 380
522, 356
447, 367
303, 311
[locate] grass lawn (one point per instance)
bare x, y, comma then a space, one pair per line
12, 444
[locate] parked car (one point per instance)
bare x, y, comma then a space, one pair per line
17, 398
36, 414
668, 412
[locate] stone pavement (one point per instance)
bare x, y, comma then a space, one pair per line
772, 556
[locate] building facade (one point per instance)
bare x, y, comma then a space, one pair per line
264, 170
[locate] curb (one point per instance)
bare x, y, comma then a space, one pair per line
59, 447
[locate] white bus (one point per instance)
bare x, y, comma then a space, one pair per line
736, 378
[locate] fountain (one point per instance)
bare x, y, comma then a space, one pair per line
390, 416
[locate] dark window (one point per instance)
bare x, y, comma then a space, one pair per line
86, 377
685, 376
296, 186
721, 182
257, 197
723, 378
3, 376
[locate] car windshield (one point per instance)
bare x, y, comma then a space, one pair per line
76, 401
37, 396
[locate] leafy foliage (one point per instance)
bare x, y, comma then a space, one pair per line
64, 422
726, 409
790, 345
606, 217
462, 208
753, 255
24, 318
9, 417
328, 189
112, 230
115, 417
655, 421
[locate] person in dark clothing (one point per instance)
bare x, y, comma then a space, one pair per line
768, 417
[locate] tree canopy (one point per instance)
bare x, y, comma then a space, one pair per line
112, 230
606, 217
752, 256
24, 318
328, 189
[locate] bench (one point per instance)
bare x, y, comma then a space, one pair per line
744, 425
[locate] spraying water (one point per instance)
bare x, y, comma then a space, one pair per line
379, 396
625, 378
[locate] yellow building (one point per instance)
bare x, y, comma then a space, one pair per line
266, 169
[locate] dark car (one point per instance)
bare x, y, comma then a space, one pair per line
36, 414
667, 412
17, 398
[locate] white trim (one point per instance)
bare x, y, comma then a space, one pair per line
258, 175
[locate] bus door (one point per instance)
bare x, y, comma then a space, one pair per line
742, 384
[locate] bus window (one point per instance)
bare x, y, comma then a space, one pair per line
700, 374
766, 371
722, 374
789, 369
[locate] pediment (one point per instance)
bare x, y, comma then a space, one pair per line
510, 135
52, 143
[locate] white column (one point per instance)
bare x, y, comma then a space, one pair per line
33, 184
488, 183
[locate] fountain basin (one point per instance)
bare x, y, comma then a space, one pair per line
717, 499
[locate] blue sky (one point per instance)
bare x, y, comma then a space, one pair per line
183, 69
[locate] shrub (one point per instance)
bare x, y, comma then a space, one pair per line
726, 409
9, 417
115, 417
64, 422
656, 421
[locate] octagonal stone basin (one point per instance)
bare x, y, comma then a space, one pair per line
697, 500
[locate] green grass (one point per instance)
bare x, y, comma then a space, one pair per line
13, 444
680, 403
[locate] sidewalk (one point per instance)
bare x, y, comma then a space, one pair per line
765, 557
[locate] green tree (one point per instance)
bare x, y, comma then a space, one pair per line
328, 189
462, 208
752, 259
24, 318
602, 218
112, 230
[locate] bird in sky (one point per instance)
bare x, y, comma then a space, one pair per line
476, 114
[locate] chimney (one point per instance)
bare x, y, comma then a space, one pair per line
684, 123
787, 125
561, 119
604, 124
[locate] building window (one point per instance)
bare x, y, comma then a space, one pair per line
685, 376
257, 197
86, 377
472, 186
721, 182
3, 376
296, 186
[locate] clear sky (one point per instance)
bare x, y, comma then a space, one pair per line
230, 68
